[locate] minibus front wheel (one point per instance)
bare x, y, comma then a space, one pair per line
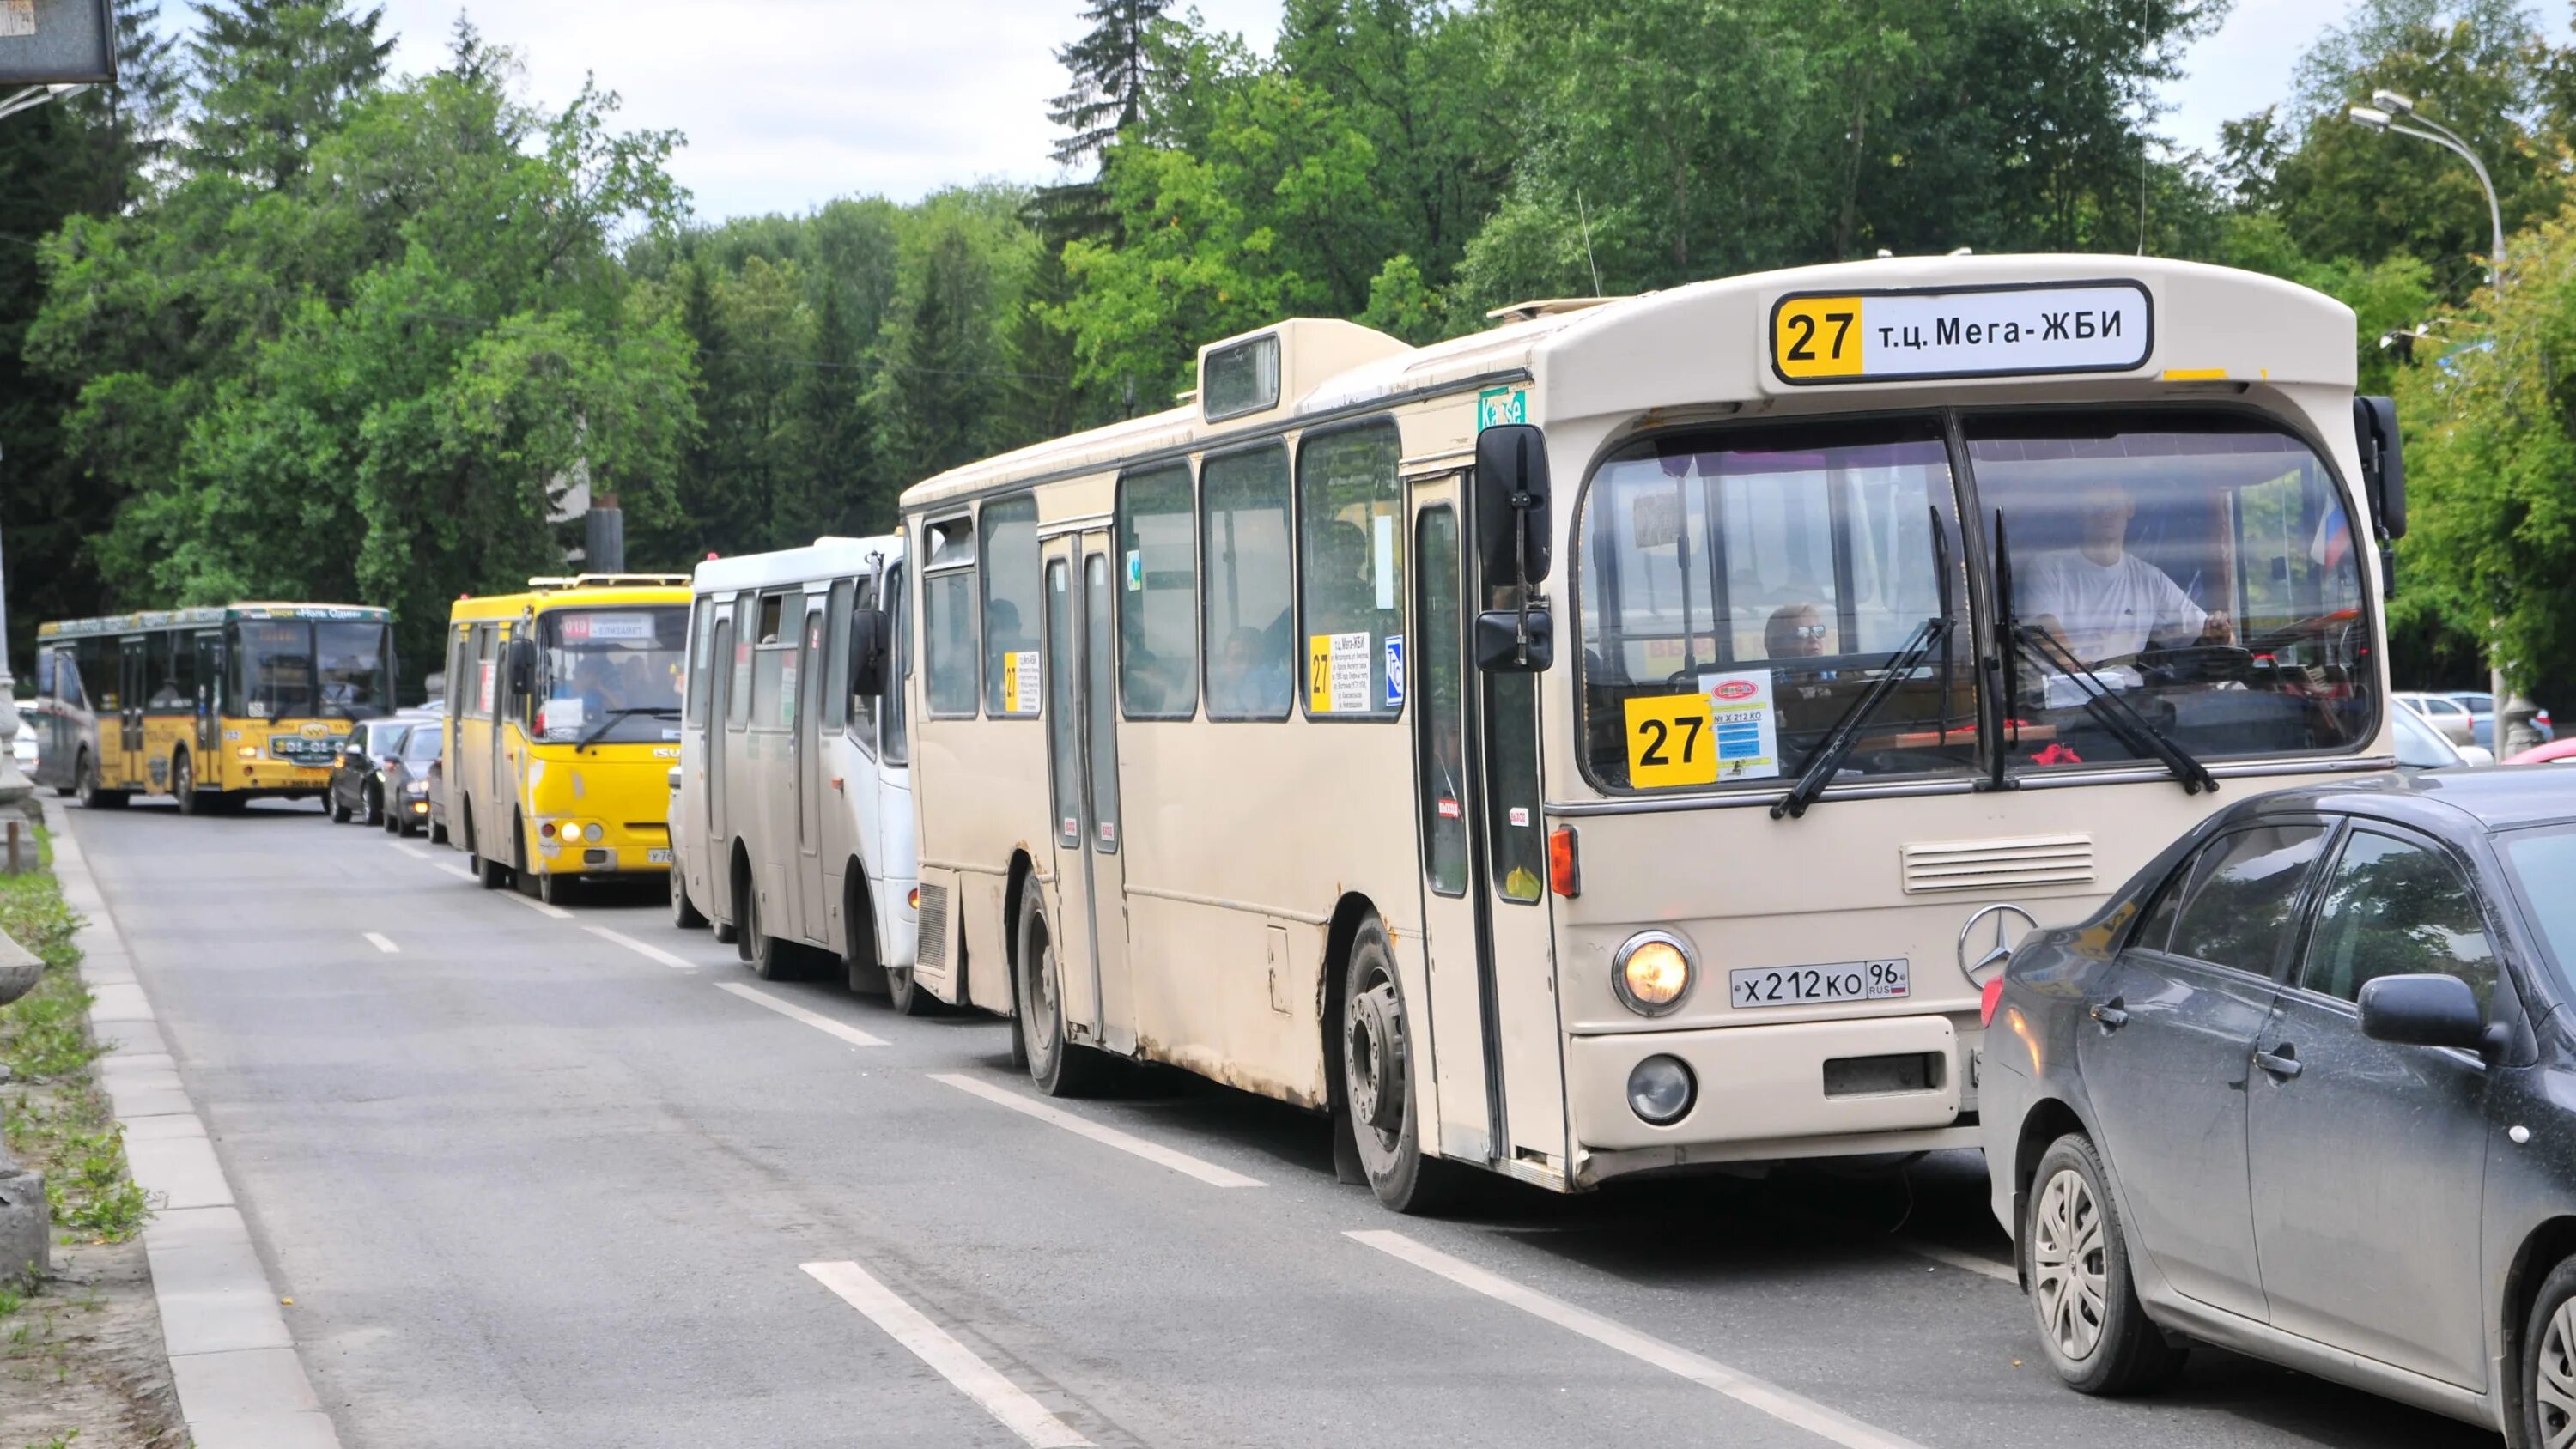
1379, 1059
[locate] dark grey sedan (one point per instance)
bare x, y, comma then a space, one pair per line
2306, 1088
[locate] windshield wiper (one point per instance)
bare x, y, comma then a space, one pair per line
2113, 710
609, 717
1845, 735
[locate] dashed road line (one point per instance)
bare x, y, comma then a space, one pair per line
458, 871
649, 953
382, 942
414, 851
1769, 1398
814, 1019
541, 908
954, 1361
1180, 1162
1968, 1262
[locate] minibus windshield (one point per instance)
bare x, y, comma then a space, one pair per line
612, 675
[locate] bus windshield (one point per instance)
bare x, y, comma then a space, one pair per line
612, 675
292, 668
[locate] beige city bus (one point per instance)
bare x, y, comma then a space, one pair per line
1622, 739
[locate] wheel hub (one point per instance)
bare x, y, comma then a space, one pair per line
1374, 1050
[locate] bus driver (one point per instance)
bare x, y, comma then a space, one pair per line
2105, 604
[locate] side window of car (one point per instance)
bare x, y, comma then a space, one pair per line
2396, 908
2244, 896
2156, 929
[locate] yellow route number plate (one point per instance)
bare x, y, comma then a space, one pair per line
1672, 740
1814, 337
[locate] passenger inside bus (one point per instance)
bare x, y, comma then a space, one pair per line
1251, 678
1793, 632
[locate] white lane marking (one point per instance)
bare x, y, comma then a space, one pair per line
458, 871
1180, 1162
814, 1019
382, 942
957, 1363
1745, 1389
414, 851
649, 953
541, 908
1968, 1262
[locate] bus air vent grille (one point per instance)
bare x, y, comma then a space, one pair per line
930, 950
2001, 864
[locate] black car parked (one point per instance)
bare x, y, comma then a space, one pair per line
2306, 1088
356, 786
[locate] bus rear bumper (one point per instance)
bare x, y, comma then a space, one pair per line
1796, 1089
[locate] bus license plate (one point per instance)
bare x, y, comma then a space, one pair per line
657, 857
1834, 981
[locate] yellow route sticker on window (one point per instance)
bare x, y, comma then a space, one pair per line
1020, 679
1672, 740
1337, 673
1817, 337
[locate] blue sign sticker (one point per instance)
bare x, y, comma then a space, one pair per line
1394, 671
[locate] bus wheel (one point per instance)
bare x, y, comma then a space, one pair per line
771, 958
92, 796
684, 917
488, 873
183, 784
1379, 1057
861, 965
554, 889
1059, 1066
520, 876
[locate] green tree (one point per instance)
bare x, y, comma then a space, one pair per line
1112, 67
275, 76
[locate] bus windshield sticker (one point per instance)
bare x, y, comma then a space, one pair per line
1881, 336
1382, 555
1337, 673
1020, 680
608, 628
1747, 733
1520, 817
1395, 671
1668, 741
485, 688
1135, 571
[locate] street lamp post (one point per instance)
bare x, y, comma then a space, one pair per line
2513, 729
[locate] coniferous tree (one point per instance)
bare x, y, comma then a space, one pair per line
273, 77
1112, 64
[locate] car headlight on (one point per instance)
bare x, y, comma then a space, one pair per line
1652, 972
1661, 1090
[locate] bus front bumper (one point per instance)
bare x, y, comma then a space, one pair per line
1795, 1089
618, 851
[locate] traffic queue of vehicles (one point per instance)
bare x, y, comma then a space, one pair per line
1260, 737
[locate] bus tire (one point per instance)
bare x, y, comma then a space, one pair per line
1059, 1066
92, 795
862, 964
554, 889
520, 876
488, 873
684, 916
183, 784
771, 959
1378, 1059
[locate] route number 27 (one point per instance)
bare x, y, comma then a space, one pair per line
1670, 741
1817, 337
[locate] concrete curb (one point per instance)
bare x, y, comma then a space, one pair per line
240, 1384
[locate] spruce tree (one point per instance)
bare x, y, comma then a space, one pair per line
1111, 66
273, 76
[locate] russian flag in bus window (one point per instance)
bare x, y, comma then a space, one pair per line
2333, 543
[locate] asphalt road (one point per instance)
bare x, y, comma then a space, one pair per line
572, 1178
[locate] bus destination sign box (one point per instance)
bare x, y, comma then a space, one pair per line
2015, 331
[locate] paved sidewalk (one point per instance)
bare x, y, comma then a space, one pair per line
240, 1384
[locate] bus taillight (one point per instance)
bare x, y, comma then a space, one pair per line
1564, 866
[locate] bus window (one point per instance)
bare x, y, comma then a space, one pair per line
351, 664
460, 663
174, 663
1158, 630
1246, 618
773, 664
948, 643
2201, 565
273, 668
485, 701
1442, 740
701, 650
1775, 573
1064, 737
45, 674
858, 716
1011, 604
893, 739
1348, 509
738, 696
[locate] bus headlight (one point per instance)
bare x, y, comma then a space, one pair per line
1652, 972
1661, 1090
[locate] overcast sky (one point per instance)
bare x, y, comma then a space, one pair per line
789, 103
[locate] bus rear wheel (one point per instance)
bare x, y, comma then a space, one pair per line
488, 873
1059, 1066
684, 916
1378, 1059
771, 959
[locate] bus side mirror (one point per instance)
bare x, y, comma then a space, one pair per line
2383, 462
521, 673
1500, 640
870, 634
1512, 505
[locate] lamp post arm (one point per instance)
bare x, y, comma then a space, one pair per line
2443, 138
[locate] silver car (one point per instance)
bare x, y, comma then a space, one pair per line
2306, 1088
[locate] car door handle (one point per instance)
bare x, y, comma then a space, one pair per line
2111, 1014
2283, 1063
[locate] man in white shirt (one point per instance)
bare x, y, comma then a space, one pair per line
2103, 602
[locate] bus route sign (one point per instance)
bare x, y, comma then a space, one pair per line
2037, 328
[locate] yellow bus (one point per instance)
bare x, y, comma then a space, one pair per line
563, 724
1896, 607
216, 706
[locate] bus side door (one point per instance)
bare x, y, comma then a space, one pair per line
133, 688
1082, 748
813, 911
209, 650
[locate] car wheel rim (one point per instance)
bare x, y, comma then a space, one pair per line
2068, 1261
2555, 1389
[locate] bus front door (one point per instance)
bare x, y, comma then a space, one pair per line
1495, 1049
813, 913
717, 856
209, 648
1082, 747
132, 691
